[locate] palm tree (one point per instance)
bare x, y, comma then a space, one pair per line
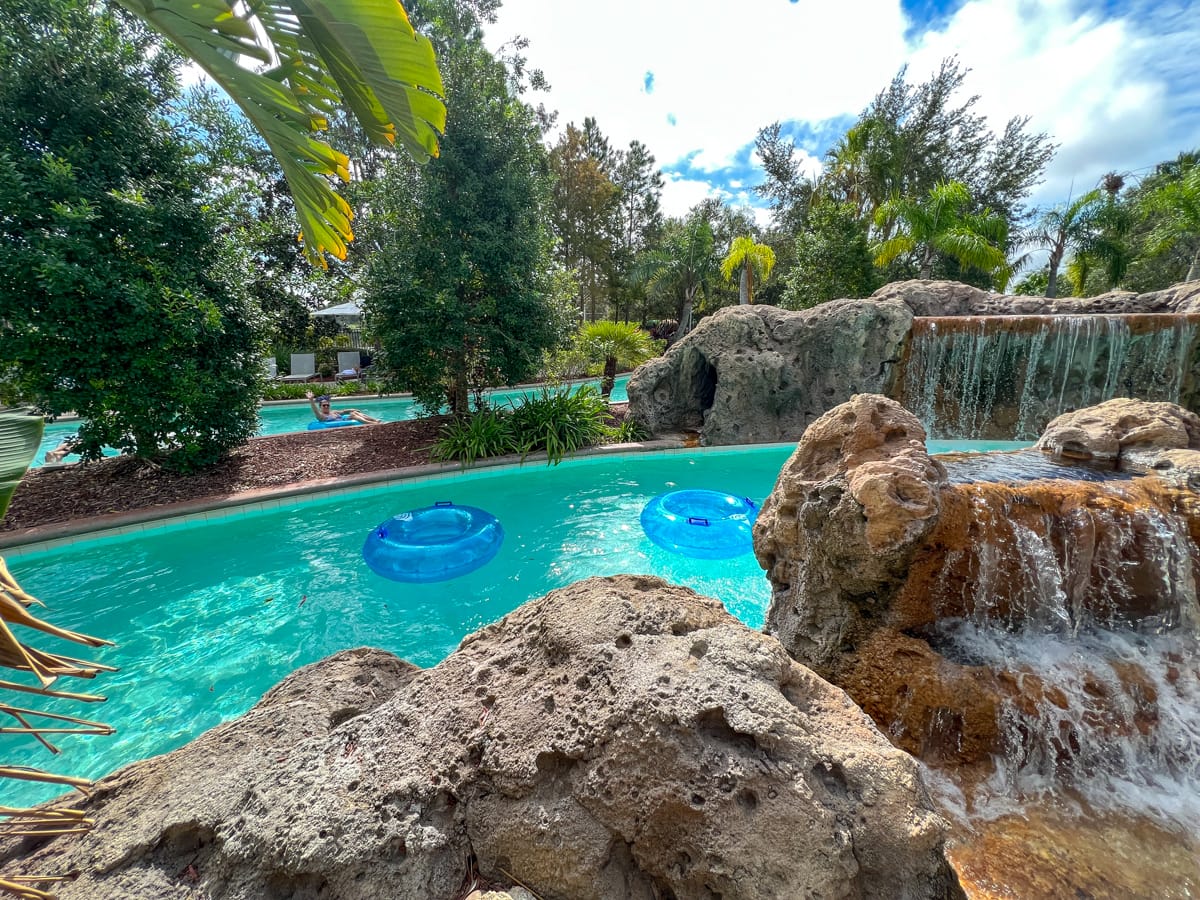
314, 57
616, 345
1068, 227
749, 258
942, 223
1176, 207
684, 266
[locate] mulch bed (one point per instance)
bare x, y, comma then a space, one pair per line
54, 495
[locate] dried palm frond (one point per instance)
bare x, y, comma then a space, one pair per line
47, 668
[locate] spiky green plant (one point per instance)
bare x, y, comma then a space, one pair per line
615, 345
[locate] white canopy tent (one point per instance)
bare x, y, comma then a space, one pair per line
346, 311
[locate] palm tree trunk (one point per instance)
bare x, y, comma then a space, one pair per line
927, 264
685, 314
1194, 268
610, 376
744, 286
1052, 284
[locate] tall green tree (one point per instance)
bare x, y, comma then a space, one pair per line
942, 222
786, 189
312, 59
1174, 209
750, 260
833, 258
110, 304
458, 294
584, 215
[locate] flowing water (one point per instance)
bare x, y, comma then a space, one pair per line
1088, 611
974, 377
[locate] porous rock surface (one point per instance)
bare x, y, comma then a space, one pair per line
617, 738
868, 546
839, 531
1113, 430
755, 374
951, 298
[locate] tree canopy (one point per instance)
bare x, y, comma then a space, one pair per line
109, 290
459, 289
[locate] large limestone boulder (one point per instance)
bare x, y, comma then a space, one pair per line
838, 533
756, 374
619, 738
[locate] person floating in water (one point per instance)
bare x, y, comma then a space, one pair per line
323, 412
69, 444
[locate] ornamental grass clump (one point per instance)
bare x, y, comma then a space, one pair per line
557, 422
560, 422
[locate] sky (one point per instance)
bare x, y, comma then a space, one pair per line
1115, 84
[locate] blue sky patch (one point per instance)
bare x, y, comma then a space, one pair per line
671, 120
928, 15
648, 83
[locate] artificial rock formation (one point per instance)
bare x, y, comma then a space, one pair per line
850, 508
1120, 431
869, 547
950, 298
973, 364
619, 738
756, 374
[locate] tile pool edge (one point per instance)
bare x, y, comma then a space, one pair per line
37, 539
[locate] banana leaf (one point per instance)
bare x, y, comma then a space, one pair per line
19, 440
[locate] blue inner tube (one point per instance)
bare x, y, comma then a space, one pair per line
700, 523
433, 543
317, 425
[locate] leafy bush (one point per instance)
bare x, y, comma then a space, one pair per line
560, 422
487, 433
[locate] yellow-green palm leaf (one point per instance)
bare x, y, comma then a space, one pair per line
313, 55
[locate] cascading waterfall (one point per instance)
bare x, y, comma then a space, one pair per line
1087, 608
1005, 377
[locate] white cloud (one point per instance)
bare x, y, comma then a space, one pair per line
1117, 91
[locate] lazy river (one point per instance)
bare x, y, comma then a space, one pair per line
210, 612
292, 416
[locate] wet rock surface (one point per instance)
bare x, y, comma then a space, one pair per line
972, 364
1116, 430
620, 737
871, 550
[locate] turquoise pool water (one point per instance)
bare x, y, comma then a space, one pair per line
207, 616
288, 417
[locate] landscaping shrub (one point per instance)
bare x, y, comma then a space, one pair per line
560, 422
466, 439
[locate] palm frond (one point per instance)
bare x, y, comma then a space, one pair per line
315, 54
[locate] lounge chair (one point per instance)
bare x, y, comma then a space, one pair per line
304, 367
349, 363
